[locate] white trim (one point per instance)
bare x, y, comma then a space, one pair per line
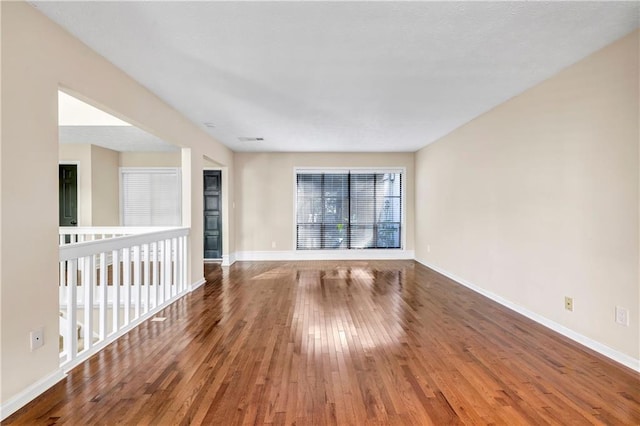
228, 260
197, 284
368, 254
327, 170
88, 248
27, 395
601, 348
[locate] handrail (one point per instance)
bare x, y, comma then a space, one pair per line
88, 248
110, 230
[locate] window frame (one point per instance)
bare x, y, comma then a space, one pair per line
356, 170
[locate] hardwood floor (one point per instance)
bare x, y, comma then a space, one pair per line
348, 343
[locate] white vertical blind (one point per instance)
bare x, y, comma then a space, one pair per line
150, 196
348, 209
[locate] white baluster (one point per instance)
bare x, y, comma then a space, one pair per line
115, 276
71, 339
126, 282
136, 279
87, 285
103, 296
146, 281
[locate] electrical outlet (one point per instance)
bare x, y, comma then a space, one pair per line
568, 303
622, 316
428, 248
36, 338
273, 244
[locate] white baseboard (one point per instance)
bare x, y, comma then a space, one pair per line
23, 398
228, 259
605, 350
324, 255
197, 284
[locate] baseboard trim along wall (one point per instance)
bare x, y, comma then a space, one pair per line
30, 393
605, 350
322, 255
197, 284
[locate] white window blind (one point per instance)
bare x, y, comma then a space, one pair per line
348, 210
150, 197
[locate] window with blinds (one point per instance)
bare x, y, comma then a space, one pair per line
150, 197
348, 210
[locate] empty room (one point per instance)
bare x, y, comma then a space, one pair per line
319, 213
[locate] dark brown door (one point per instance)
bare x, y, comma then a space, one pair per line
68, 194
212, 217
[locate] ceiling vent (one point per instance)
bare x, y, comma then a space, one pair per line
246, 139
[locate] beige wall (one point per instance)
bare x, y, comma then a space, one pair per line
38, 58
150, 159
105, 187
538, 199
264, 193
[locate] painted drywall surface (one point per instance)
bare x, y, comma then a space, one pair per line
150, 159
196, 251
105, 187
265, 193
38, 58
538, 199
80, 154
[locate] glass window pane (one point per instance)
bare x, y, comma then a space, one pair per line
336, 210
362, 237
388, 235
389, 209
335, 236
362, 210
309, 185
362, 185
388, 184
309, 210
309, 237
336, 185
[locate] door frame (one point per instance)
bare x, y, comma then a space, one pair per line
78, 185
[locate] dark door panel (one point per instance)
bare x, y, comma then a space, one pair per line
68, 194
212, 215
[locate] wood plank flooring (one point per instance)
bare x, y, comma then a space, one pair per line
346, 343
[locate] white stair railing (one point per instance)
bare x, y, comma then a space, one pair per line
108, 285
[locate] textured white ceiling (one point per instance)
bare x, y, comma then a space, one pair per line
341, 76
